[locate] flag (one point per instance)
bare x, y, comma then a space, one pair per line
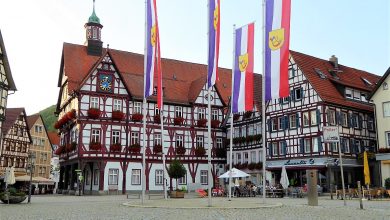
366, 169
214, 31
152, 62
277, 37
243, 69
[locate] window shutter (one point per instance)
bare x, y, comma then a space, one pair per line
286, 122
353, 120
350, 124
269, 125
338, 118
284, 147
342, 145
318, 116
341, 118
302, 93
319, 144
360, 121
298, 124
270, 149
302, 146
292, 94
352, 145
283, 127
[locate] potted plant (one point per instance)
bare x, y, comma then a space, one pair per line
202, 122
115, 148
259, 165
384, 150
176, 170
71, 114
93, 113
134, 148
95, 146
248, 114
117, 115
71, 147
200, 151
12, 196
157, 149
387, 183
236, 117
156, 119
137, 117
215, 123
180, 150
59, 150
178, 120
251, 166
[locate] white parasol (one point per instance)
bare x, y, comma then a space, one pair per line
235, 174
284, 179
10, 176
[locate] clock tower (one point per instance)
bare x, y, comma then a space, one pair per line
93, 34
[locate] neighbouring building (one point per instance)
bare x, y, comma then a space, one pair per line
55, 161
100, 119
381, 99
322, 93
16, 141
41, 146
6, 84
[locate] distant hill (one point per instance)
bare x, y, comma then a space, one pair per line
49, 118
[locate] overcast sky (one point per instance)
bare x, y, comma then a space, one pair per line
357, 32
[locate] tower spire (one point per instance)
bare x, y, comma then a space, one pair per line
93, 34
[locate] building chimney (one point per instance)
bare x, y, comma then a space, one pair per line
335, 61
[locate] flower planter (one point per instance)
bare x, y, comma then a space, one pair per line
71, 114
220, 152
384, 150
71, 147
134, 148
117, 115
115, 148
157, 119
236, 117
180, 150
200, 151
248, 114
201, 122
177, 194
137, 117
59, 150
178, 120
95, 146
93, 113
13, 199
215, 123
157, 149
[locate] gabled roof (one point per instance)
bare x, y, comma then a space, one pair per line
178, 76
327, 88
31, 119
11, 83
12, 115
54, 138
379, 84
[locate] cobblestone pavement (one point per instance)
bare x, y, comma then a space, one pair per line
111, 207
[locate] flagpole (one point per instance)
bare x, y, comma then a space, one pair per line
144, 111
231, 117
163, 151
263, 110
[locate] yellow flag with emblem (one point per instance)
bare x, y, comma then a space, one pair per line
366, 169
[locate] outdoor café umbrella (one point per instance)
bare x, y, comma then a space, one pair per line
366, 169
235, 174
10, 176
284, 179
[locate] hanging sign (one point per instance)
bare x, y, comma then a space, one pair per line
331, 134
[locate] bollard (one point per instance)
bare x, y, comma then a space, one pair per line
360, 194
312, 191
331, 191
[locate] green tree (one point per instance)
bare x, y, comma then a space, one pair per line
176, 170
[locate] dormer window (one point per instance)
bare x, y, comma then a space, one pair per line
348, 93
366, 81
320, 73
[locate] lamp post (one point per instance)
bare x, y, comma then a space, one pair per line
30, 168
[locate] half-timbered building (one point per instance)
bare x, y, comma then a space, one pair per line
100, 119
322, 93
16, 141
6, 84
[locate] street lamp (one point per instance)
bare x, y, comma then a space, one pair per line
30, 168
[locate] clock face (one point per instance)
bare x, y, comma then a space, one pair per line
105, 83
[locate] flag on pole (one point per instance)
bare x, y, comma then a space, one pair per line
367, 180
277, 37
152, 63
243, 69
214, 27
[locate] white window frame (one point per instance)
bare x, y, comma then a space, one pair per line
179, 140
253, 157
94, 102
293, 121
307, 145
157, 139
201, 113
219, 142
280, 148
178, 112
117, 106
358, 146
347, 148
38, 128
274, 124
138, 107
182, 180
298, 92
136, 177
386, 109
313, 117
95, 135
159, 177
199, 141
275, 148
387, 135
246, 157
333, 147
116, 137
156, 110
314, 141
331, 117
135, 137
113, 175
204, 177
345, 119
305, 119
214, 114
349, 93
280, 123
238, 158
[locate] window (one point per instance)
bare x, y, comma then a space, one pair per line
178, 111
274, 124
275, 149
348, 93
137, 107
346, 145
250, 129
238, 157
246, 157
94, 102
331, 117
333, 147
356, 95
345, 119
96, 177
386, 109
285, 100
388, 138
314, 140
135, 177
38, 128
293, 121
307, 145
356, 121
291, 72
94, 33
219, 142
157, 139
298, 94
117, 105
214, 114
95, 136
183, 180
357, 145
305, 116
253, 156
179, 140
201, 113
156, 110
313, 117
199, 141
363, 97
134, 138
159, 177
236, 132
370, 123
87, 178
113, 176
116, 137
204, 177
280, 148
280, 123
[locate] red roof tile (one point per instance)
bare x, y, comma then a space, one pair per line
54, 138
31, 120
326, 88
11, 115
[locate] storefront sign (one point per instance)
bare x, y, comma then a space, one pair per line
299, 162
331, 134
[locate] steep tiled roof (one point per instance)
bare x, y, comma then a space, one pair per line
53, 137
327, 88
379, 84
8, 73
178, 76
11, 115
31, 119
